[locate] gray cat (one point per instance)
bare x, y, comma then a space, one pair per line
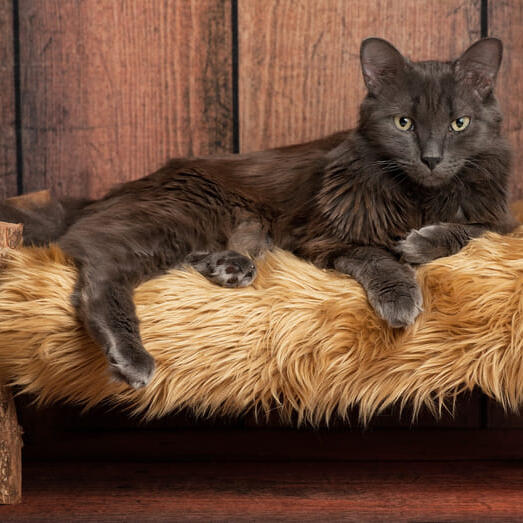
424, 171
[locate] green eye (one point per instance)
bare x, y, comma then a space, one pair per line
460, 124
403, 123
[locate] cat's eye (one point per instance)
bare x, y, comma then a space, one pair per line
403, 123
460, 124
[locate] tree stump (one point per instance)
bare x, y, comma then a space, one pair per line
10, 431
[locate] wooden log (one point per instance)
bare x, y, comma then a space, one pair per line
10, 431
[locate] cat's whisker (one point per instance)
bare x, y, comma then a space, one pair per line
475, 165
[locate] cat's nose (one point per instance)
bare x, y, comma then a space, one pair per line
431, 161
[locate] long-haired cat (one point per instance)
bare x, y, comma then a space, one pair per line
424, 171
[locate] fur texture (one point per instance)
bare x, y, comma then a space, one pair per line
302, 341
427, 155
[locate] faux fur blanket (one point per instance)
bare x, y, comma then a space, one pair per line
300, 340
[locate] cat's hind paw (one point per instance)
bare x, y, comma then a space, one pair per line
225, 268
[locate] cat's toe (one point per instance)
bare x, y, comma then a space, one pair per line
421, 245
398, 307
236, 276
234, 270
135, 369
412, 248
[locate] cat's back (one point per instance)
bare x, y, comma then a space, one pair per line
277, 178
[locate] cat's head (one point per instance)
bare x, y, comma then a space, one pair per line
430, 118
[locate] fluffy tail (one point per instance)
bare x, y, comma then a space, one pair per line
43, 223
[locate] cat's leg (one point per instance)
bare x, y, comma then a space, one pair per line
113, 256
391, 286
105, 306
443, 239
225, 268
229, 268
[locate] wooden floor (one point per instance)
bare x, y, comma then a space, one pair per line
250, 491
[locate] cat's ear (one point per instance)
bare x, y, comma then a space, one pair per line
381, 63
479, 65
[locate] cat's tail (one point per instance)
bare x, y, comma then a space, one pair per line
43, 223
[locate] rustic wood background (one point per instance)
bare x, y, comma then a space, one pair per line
96, 92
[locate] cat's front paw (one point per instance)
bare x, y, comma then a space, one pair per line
133, 366
424, 245
398, 304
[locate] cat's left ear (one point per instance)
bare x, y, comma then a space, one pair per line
479, 65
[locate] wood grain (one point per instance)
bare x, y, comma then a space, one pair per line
299, 59
8, 182
10, 235
110, 90
10, 432
464, 492
506, 22
10, 450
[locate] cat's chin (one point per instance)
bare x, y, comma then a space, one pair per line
434, 183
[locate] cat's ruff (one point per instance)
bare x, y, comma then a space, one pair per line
300, 340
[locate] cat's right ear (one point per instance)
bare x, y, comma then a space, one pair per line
381, 63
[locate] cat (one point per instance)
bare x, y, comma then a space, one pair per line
425, 170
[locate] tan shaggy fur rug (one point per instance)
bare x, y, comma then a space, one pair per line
300, 341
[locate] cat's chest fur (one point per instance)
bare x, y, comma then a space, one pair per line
368, 207
445, 205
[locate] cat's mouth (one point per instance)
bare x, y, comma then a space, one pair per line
437, 177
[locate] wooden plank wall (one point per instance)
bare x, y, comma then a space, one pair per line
299, 61
8, 173
505, 20
109, 89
